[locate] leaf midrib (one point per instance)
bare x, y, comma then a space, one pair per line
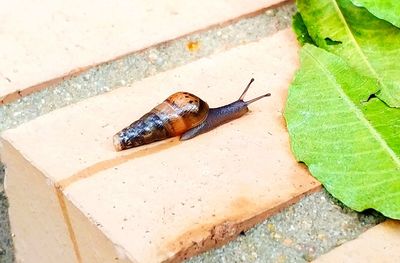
355, 43
356, 110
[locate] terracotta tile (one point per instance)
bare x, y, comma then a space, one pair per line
378, 244
41, 41
168, 200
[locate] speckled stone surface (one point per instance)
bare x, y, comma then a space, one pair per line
300, 233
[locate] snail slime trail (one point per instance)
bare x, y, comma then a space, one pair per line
181, 114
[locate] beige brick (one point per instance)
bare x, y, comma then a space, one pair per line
379, 244
42, 41
167, 200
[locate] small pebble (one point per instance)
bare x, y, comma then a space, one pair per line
287, 242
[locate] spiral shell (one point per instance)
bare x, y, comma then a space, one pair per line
174, 116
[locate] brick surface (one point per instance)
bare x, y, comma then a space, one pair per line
42, 41
379, 244
167, 200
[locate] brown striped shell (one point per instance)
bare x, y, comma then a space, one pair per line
181, 111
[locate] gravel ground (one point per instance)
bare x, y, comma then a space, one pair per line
6, 248
301, 232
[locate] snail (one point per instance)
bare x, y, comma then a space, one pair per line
181, 114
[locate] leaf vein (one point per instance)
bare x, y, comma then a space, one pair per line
357, 111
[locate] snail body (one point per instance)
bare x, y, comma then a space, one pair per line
181, 114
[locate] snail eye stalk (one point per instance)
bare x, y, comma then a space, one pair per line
246, 89
255, 99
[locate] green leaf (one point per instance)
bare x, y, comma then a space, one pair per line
369, 44
388, 10
300, 30
350, 145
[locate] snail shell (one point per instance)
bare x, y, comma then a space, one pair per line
177, 114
